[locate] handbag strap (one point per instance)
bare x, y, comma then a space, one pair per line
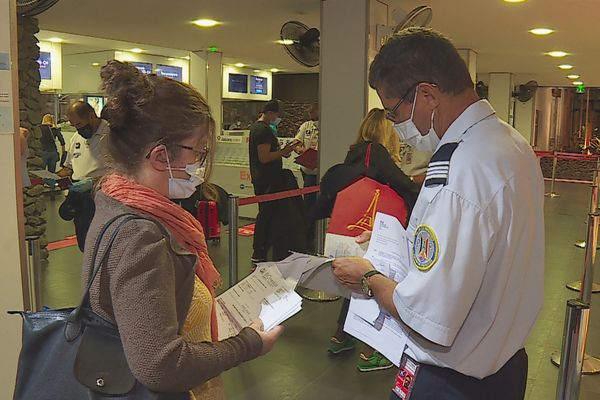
368, 156
85, 301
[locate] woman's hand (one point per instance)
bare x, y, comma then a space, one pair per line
268, 338
363, 237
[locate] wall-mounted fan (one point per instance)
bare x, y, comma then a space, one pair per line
525, 92
420, 16
301, 42
30, 8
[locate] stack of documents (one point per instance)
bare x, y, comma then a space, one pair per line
264, 294
389, 253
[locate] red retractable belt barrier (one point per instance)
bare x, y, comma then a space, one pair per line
278, 196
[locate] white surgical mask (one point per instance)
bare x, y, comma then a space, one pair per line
183, 188
410, 134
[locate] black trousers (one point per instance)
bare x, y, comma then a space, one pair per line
436, 383
264, 219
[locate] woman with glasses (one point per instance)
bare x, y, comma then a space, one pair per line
159, 283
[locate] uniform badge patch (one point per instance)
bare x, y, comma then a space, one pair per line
426, 248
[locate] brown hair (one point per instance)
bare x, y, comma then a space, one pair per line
416, 55
146, 109
376, 128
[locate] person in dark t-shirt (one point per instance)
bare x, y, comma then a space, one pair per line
265, 167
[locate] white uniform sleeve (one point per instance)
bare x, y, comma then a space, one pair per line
70, 149
435, 300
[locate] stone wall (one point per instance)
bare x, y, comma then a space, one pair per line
294, 114
30, 116
569, 169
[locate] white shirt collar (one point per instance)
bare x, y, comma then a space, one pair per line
473, 114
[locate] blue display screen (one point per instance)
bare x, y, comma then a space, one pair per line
146, 68
238, 83
45, 65
170, 71
258, 85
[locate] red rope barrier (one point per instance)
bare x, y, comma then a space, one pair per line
278, 196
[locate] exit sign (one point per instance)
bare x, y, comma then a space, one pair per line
580, 89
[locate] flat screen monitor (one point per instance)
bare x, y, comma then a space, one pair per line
258, 85
45, 65
97, 103
170, 71
238, 83
146, 68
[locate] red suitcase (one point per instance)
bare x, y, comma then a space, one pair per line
209, 219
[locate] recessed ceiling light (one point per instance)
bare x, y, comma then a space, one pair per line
574, 76
186, 57
170, 59
274, 70
95, 64
515, 1
55, 40
577, 83
285, 41
557, 53
541, 31
239, 65
136, 50
565, 66
206, 22
256, 70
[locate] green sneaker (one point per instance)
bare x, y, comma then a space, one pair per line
376, 362
337, 346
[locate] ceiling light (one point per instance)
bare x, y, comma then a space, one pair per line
274, 70
55, 40
574, 76
239, 65
170, 59
557, 53
186, 57
256, 70
565, 66
515, 1
95, 64
285, 41
541, 31
206, 22
136, 50
577, 83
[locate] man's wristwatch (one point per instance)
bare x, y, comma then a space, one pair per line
364, 282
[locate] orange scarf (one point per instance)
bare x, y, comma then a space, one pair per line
181, 224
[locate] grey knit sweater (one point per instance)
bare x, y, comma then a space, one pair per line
146, 290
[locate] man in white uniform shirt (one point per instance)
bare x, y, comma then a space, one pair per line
86, 157
86, 160
474, 286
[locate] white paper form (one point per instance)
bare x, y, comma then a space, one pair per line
389, 253
343, 246
264, 294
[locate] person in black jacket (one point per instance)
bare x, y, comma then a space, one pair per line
383, 166
50, 132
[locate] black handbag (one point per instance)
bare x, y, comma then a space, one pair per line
75, 354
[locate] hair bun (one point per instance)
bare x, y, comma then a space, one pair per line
127, 88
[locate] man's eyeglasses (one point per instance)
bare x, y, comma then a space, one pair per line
391, 114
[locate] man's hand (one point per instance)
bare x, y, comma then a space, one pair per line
288, 148
363, 237
350, 270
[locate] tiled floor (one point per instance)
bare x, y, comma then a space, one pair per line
299, 367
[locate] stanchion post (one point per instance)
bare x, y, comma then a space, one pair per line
552, 194
587, 278
573, 350
34, 270
320, 236
234, 204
